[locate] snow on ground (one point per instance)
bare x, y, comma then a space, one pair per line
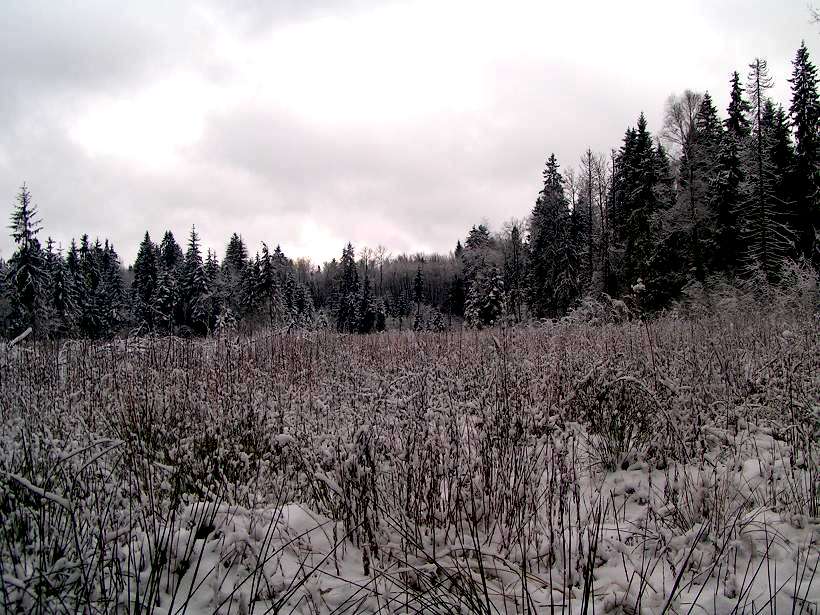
617, 469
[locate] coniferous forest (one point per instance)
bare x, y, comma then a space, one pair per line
708, 198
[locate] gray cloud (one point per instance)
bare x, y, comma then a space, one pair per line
263, 165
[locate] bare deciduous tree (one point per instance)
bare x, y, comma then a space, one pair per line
679, 130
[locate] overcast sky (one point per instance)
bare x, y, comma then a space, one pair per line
310, 123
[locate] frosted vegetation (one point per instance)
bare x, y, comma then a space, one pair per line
613, 466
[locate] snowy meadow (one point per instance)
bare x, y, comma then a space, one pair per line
668, 465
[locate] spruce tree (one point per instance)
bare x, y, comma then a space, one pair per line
145, 281
805, 116
248, 289
72, 259
164, 301
367, 308
418, 286
195, 291
62, 295
515, 273
636, 203
268, 287
484, 306
27, 274
781, 156
88, 280
172, 260
347, 316
478, 255
728, 186
236, 254
553, 258
234, 268
767, 239
111, 292
170, 253
708, 146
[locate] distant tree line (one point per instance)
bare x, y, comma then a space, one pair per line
708, 199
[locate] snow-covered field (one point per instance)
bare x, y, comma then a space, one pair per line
670, 466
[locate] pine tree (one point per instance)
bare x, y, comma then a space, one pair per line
553, 258
805, 117
27, 274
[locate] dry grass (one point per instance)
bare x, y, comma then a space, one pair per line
635, 467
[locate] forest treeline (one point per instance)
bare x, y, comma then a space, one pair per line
705, 200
